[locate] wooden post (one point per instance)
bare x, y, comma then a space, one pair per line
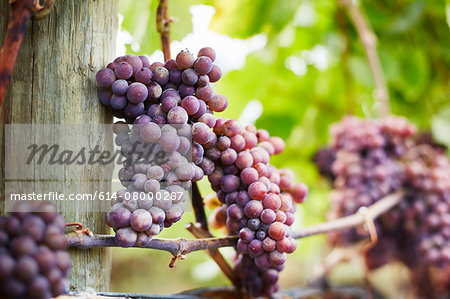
54, 83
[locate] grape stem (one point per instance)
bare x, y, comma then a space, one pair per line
163, 26
20, 14
369, 42
182, 246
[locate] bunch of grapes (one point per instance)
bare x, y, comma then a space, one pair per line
156, 174
33, 260
169, 93
424, 215
366, 166
258, 201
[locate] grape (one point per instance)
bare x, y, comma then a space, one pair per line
208, 119
201, 133
177, 115
215, 74
161, 75
112, 66
201, 109
25, 255
134, 61
104, 95
134, 110
154, 90
120, 217
253, 209
203, 80
105, 77
190, 104
257, 190
268, 216
123, 70
205, 93
155, 65
125, 237
197, 153
189, 77
218, 103
228, 156
168, 103
203, 65
119, 87
137, 93
208, 52
145, 61
169, 141
118, 102
144, 75
186, 90
184, 60
230, 183
170, 64
140, 220
278, 145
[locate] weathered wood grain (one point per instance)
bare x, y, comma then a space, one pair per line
54, 83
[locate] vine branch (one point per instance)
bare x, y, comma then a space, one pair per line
369, 42
163, 26
355, 220
21, 12
182, 246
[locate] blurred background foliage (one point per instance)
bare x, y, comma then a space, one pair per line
310, 72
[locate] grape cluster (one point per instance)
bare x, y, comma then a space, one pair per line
258, 201
424, 215
366, 166
376, 158
33, 260
169, 93
156, 174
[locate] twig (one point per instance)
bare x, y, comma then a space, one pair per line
183, 246
19, 16
199, 232
369, 41
354, 220
176, 247
199, 207
163, 26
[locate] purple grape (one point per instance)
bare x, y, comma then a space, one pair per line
204, 93
208, 52
186, 90
253, 209
123, 70
140, 220
218, 103
144, 75
150, 132
126, 237
134, 110
190, 104
184, 60
118, 102
137, 93
201, 133
145, 61
161, 75
119, 87
203, 80
189, 77
175, 76
105, 77
177, 115
104, 95
134, 61
169, 141
154, 90
229, 183
203, 65
215, 74
170, 65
